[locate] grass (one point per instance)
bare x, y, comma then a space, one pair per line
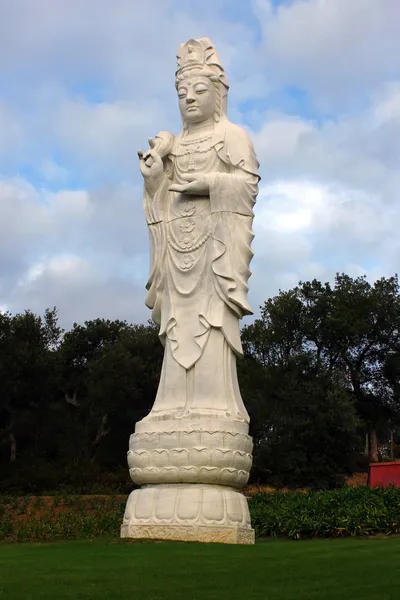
354, 569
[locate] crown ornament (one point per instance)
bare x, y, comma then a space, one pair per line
200, 54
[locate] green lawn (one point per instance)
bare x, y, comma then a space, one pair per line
349, 569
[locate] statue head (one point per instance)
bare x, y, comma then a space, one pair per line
201, 82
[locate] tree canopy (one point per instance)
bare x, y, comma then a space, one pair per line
320, 378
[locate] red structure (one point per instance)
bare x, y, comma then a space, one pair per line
384, 474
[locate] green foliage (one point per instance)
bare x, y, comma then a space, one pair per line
296, 515
28, 375
321, 372
69, 401
337, 513
60, 517
310, 432
324, 372
86, 477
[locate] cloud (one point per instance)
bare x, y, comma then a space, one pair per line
387, 109
82, 251
84, 84
336, 50
100, 139
127, 44
10, 131
307, 230
79, 291
329, 199
360, 151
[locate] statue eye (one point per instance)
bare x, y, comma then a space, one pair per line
201, 90
182, 92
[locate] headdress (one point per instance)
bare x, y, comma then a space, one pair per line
200, 54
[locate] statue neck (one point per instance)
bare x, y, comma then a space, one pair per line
196, 128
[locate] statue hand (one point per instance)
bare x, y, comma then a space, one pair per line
151, 165
197, 185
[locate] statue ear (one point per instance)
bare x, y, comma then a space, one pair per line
217, 112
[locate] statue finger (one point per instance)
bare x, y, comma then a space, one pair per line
156, 157
152, 142
151, 153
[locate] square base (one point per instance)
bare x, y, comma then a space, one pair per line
190, 533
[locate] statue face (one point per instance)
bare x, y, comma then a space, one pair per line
196, 99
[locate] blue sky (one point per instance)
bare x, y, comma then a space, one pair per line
84, 83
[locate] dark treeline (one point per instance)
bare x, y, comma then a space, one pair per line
320, 379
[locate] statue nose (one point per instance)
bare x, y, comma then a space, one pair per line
190, 99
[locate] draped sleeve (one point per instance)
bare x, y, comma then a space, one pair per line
232, 197
155, 210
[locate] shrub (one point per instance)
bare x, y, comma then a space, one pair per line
65, 518
330, 513
343, 512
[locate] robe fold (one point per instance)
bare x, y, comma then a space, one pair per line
199, 271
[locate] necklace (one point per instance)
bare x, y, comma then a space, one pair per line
196, 141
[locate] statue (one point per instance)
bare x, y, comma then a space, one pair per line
199, 191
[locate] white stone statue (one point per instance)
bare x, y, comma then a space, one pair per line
193, 449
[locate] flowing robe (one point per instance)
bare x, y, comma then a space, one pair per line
197, 288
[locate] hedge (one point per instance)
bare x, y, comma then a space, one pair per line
296, 515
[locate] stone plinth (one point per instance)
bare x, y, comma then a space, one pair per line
189, 473
188, 512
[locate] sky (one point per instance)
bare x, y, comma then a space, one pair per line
84, 83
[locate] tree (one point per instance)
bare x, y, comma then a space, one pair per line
321, 369
28, 345
303, 424
122, 385
110, 376
353, 328
342, 336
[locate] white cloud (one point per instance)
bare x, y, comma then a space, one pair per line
53, 173
127, 44
102, 138
65, 248
335, 49
10, 131
91, 81
292, 206
80, 292
307, 230
69, 268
